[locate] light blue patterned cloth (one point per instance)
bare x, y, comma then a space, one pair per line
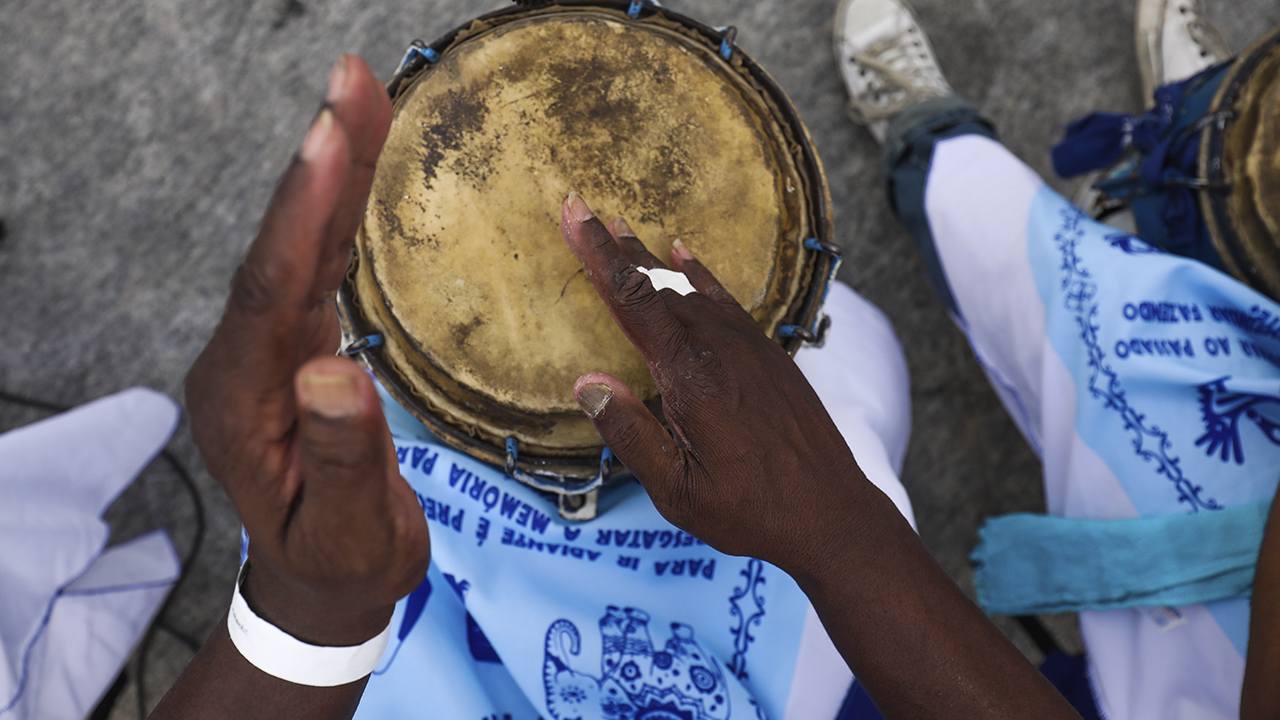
1176, 372
524, 615
1030, 564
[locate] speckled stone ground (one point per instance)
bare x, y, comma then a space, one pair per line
140, 141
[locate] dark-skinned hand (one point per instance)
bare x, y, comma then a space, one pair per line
295, 434
753, 465
750, 445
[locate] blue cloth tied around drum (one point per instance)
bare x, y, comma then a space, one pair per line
1030, 564
1159, 181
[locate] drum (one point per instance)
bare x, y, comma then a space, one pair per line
462, 297
1240, 167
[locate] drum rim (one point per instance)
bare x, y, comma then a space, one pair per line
1215, 195
819, 267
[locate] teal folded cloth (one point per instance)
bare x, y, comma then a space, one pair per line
1030, 564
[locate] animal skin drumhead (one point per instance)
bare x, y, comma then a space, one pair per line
461, 264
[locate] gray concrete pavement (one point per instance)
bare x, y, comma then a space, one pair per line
140, 141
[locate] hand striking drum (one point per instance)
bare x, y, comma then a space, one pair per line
463, 299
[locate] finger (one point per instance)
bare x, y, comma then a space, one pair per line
632, 245
344, 451
278, 270
262, 338
627, 292
362, 107
632, 433
700, 277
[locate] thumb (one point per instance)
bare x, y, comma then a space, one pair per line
632, 433
343, 442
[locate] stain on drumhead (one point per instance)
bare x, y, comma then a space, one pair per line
462, 115
475, 286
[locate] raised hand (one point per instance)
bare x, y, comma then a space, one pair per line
294, 434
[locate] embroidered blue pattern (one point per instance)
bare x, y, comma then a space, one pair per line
680, 682
1221, 410
1079, 292
742, 637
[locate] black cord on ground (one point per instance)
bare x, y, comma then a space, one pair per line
197, 542
197, 504
103, 710
1039, 634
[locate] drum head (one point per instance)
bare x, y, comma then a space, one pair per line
488, 317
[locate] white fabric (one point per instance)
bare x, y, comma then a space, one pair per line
860, 374
69, 613
979, 201
818, 666
279, 654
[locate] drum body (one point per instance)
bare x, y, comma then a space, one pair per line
462, 296
1240, 167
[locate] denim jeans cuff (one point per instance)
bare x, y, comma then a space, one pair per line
933, 116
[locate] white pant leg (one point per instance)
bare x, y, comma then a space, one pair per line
979, 199
978, 207
860, 374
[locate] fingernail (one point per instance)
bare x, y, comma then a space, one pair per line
592, 398
679, 249
621, 227
578, 207
337, 80
332, 396
318, 136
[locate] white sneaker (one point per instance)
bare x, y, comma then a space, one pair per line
886, 60
1175, 41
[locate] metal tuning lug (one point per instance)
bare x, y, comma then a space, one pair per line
728, 36
581, 507
360, 345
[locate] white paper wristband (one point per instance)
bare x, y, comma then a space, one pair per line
277, 653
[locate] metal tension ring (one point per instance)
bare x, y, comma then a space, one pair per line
362, 344
418, 49
816, 334
577, 500
418, 56
728, 36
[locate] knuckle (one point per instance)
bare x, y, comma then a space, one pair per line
632, 289
625, 434
254, 287
332, 456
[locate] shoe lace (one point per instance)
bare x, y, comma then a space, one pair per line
1203, 33
901, 64
1208, 39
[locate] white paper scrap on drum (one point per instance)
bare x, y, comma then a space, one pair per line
664, 279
